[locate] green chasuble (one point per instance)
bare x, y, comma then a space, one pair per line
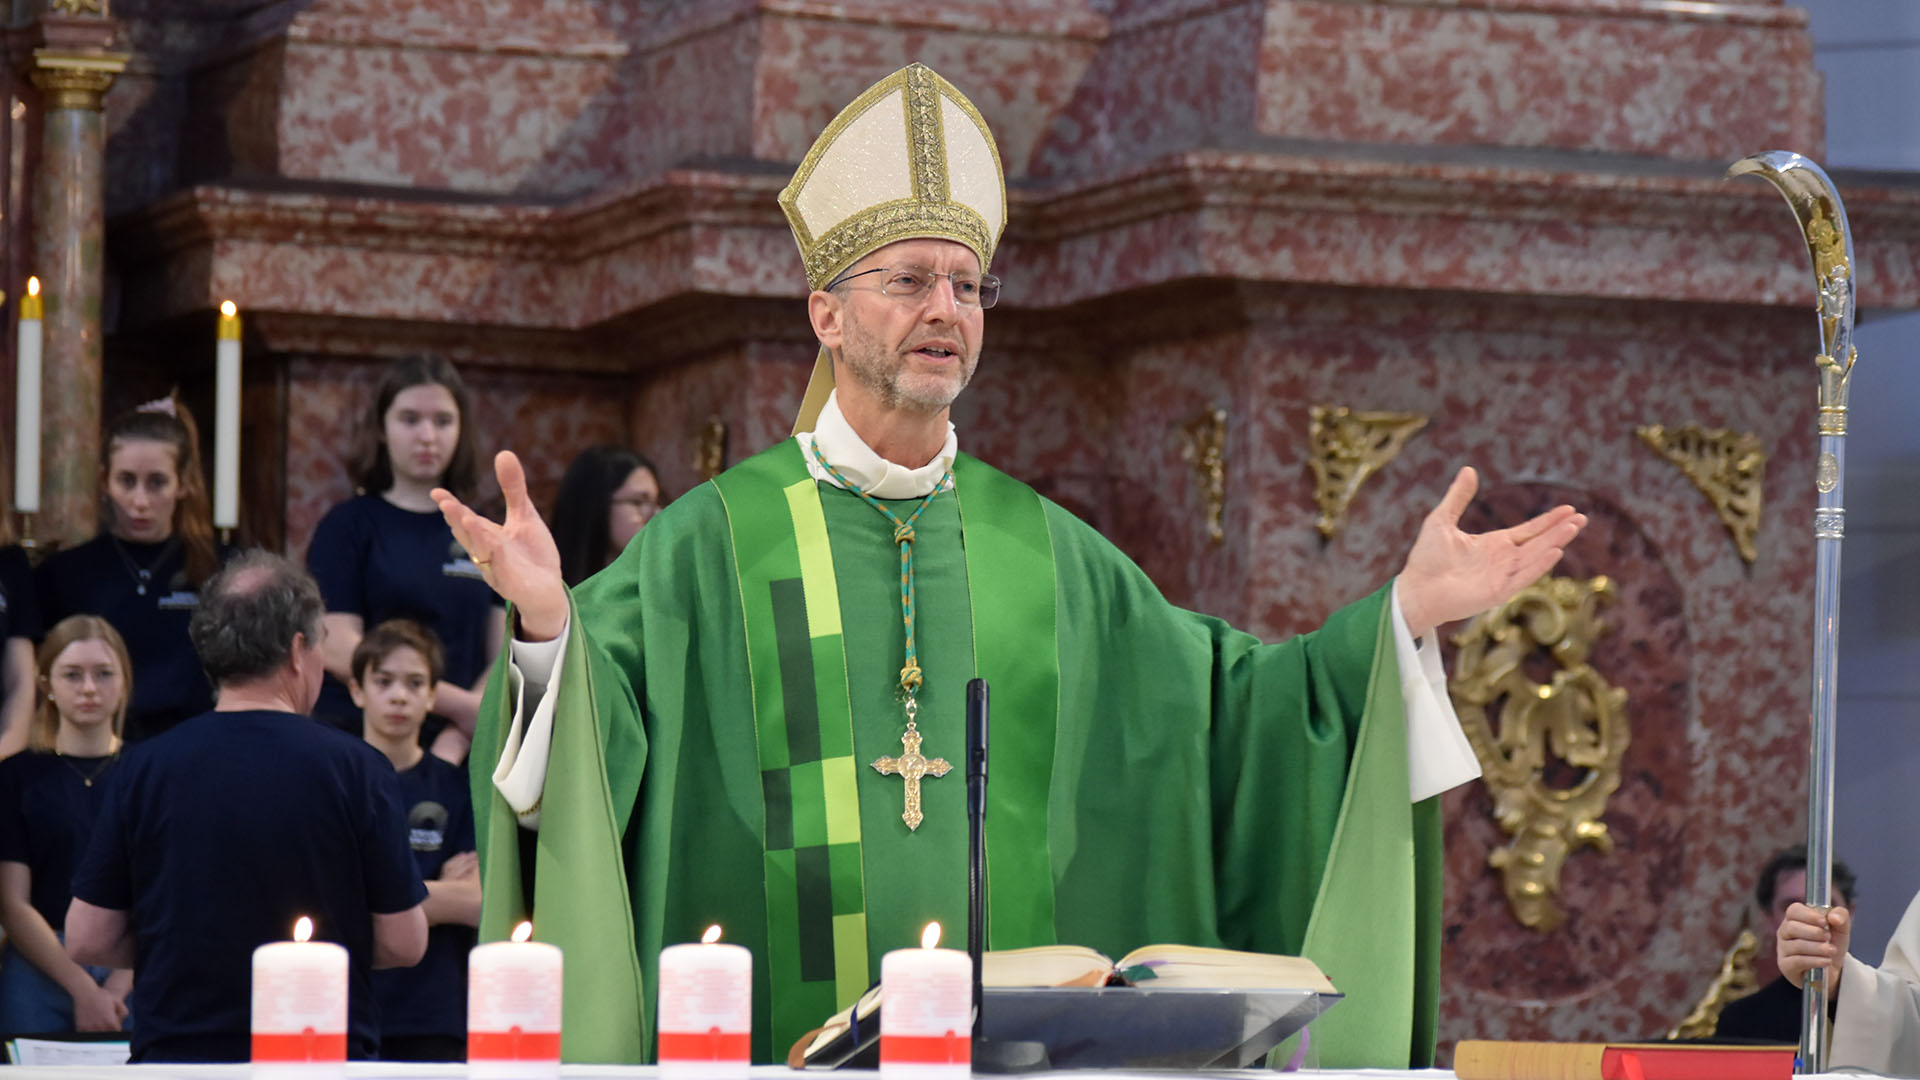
1157, 776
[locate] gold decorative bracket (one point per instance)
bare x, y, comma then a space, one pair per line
1348, 447
1728, 467
1203, 443
1577, 717
710, 449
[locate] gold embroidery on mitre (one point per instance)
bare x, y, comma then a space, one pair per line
1577, 719
926, 206
1729, 467
1348, 447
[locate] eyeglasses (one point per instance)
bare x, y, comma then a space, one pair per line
912, 282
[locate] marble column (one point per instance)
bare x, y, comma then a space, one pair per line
69, 226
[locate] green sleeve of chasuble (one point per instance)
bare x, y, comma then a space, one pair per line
1211, 789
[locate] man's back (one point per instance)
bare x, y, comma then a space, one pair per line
216, 838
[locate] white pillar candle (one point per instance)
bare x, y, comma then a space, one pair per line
226, 418
513, 1007
926, 1011
26, 401
706, 1009
300, 1001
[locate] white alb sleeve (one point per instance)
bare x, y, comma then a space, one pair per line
521, 775
1876, 1025
1439, 757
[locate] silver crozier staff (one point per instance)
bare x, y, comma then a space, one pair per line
1823, 221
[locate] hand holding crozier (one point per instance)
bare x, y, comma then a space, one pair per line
518, 557
1452, 574
1809, 938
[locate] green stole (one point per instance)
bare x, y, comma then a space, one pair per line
818, 959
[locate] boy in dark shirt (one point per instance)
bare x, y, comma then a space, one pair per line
423, 1009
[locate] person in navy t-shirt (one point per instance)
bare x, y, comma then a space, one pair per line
216, 837
19, 629
143, 572
423, 1009
388, 553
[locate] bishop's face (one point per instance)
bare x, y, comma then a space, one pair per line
913, 353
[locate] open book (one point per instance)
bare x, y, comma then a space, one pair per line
1185, 967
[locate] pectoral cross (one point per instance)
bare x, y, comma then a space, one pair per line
911, 766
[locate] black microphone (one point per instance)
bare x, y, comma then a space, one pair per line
976, 836
989, 1056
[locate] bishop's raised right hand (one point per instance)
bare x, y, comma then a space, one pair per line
518, 558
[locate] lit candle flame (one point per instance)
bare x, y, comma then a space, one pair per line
931, 936
227, 309
712, 935
523, 932
33, 286
303, 929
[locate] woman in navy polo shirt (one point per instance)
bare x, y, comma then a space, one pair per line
48, 798
387, 553
143, 572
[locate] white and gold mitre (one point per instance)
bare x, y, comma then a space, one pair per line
910, 159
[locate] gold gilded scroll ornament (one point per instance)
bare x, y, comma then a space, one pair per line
1203, 443
1735, 980
710, 449
1551, 754
1348, 447
1728, 467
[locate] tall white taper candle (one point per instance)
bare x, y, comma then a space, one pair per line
26, 398
226, 419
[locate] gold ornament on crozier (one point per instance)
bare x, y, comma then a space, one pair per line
1729, 467
1576, 721
1203, 443
1348, 447
710, 449
1735, 980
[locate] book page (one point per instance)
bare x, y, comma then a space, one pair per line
1045, 965
1195, 966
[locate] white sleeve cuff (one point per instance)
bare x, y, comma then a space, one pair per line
1439, 757
521, 775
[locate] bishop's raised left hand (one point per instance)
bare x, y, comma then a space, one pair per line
1452, 574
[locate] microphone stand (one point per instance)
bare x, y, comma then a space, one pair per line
988, 1056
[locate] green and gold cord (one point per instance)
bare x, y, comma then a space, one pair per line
910, 676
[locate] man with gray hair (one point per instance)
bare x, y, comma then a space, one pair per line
216, 837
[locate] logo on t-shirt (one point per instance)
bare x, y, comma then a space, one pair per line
180, 594
426, 826
459, 565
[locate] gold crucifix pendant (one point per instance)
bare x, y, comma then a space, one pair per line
911, 766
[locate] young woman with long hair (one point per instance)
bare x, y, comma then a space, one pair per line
608, 494
144, 571
48, 798
387, 553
